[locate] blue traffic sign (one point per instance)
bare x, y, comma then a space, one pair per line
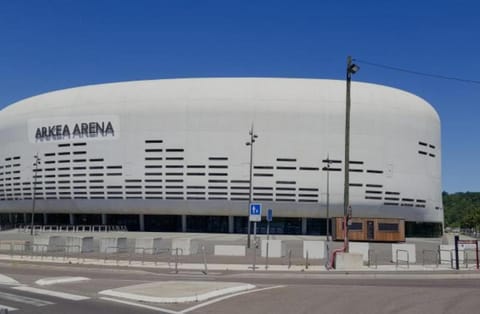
255, 209
255, 212
269, 214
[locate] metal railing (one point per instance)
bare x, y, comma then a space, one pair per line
120, 255
372, 258
72, 228
289, 258
451, 252
436, 258
205, 265
397, 259
466, 257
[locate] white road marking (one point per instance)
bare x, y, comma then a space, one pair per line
62, 295
9, 308
54, 280
226, 297
154, 308
23, 299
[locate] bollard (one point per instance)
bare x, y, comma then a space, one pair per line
306, 261
176, 260
457, 264
266, 261
205, 271
328, 253
254, 256
289, 258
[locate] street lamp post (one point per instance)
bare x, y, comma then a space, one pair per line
351, 69
35, 174
328, 198
250, 143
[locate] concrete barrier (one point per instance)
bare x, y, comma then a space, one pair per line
229, 250
402, 255
315, 249
16, 245
5, 246
186, 246
49, 244
276, 248
113, 245
360, 248
347, 261
150, 245
79, 244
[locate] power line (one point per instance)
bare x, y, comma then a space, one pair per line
438, 76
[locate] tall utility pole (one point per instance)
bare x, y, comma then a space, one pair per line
35, 174
250, 143
328, 198
351, 69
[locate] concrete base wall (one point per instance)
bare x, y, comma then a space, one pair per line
113, 245
348, 261
151, 245
79, 244
16, 245
315, 249
229, 250
49, 244
402, 256
360, 248
186, 246
276, 248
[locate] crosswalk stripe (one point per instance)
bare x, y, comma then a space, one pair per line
62, 295
23, 299
9, 308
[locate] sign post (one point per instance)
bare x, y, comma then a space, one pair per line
463, 242
255, 216
269, 219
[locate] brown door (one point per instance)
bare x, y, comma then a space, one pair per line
370, 230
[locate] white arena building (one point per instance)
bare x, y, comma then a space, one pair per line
170, 155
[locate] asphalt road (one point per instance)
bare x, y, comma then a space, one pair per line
275, 293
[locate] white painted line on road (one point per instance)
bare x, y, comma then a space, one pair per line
9, 308
23, 299
227, 297
154, 308
62, 295
55, 280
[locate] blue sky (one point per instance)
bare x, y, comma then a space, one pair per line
54, 44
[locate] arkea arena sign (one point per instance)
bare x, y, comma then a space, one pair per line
102, 127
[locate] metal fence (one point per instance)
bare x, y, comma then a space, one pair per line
116, 255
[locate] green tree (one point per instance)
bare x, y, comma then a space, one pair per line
462, 209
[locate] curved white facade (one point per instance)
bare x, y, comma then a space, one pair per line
177, 147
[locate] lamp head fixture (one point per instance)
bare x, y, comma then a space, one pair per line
353, 68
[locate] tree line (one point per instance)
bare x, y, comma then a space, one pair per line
462, 209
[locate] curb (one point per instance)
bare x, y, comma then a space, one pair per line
5, 280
